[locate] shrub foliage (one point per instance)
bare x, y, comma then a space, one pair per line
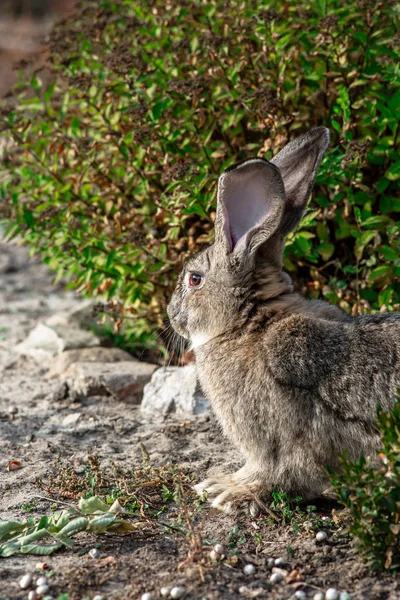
370, 489
112, 175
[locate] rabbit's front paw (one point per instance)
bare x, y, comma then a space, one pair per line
228, 492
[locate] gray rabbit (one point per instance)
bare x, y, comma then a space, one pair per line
294, 382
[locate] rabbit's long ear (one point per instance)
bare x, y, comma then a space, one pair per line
298, 163
251, 199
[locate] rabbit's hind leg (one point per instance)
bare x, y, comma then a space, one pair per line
228, 492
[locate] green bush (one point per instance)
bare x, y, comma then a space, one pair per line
112, 177
370, 489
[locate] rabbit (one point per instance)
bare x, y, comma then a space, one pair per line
293, 382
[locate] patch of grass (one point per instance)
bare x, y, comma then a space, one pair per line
3, 331
293, 511
145, 490
28, 506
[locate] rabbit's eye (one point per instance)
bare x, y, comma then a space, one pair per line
195, 280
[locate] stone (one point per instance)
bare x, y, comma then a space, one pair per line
60, 363
71, 420
79, 317
124, 380
173, 390
43, 342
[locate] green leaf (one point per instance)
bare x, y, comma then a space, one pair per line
380, 272
393, 173
41, 549
102, 522
9, 527
74, 526
92, 506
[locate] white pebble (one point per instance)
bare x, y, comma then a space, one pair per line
276, 577
219, 549
249, 569
25, 581
280, 562
42, 589
319, 596
332, 594
165, 592
300, 595
97, 597
177, 592
345, 596
214, 555
321, 536
41, 581
270, 563
32, 595
94, 553
147, 596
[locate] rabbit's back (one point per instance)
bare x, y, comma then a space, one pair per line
352, 366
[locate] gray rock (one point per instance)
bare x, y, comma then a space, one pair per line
80, 317
124, 380
44, 342
71, 419
173, 390
60, 363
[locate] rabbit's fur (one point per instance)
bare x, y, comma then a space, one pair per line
293, 382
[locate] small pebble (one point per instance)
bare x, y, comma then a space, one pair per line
321, 536
177, 592
42, 589
219, 549
276, 578
249, 569
147, 596
25, 581
97, 597
345, 596
214, 555
332, 594
41, 581
254, 510
94, 553
280, 562
300, 595
165, 592
319, 596
32, 595
270, 563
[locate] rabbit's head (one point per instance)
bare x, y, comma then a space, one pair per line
258, 204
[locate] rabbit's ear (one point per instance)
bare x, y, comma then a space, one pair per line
298, 163
251, 198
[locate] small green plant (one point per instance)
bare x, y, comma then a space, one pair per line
291, 511
54, 531
28, 506
370, 490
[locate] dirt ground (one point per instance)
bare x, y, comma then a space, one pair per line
155, 556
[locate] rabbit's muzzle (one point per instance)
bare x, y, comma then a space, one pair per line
178, 318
